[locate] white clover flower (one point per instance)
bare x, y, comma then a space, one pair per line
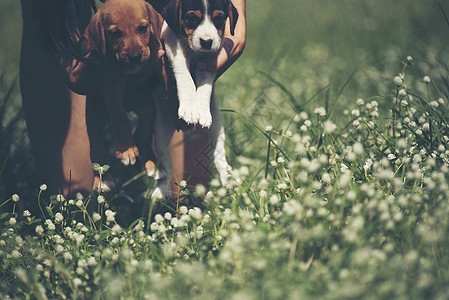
43, 187
402, 93
15, 198
51, 226
221, 192
357, 147
398, 80
195, 213
116, 229
71, 202
326, 178
360, 102
96, 217
296, 118
59, 217
321, 111
60, 198
355, 112
274, 199
282, 186
15, 254
77, 282
215, 182
110, 215
79, 203
12, 221
391, 156
168, 216
402, 144
39, 229
303, 115
441, 101
303, 128
158, 218
368, 164
313, 166
329, 127
59, 249
426, 79
308, 123
26, 213
100, 199
268, 128
161, 229
183, 210
154, 226
200, 190
78, 238
91, 261
409, 59
434, 104
183, 184
281, 160
418, 132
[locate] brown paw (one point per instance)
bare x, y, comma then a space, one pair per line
128, 156
150, 167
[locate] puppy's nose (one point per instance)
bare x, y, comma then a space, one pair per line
206, 44
135, 58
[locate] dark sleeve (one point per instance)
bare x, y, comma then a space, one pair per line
158, 4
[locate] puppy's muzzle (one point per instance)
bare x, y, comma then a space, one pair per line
135, 58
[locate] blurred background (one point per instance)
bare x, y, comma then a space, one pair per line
297, 50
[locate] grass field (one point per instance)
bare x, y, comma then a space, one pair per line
337, 130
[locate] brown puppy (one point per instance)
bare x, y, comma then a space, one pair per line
123, 62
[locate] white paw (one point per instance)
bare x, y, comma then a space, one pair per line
205, 119
189, 113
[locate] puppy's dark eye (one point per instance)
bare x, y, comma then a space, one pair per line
219, 20
116, 34
192, 20
142, 29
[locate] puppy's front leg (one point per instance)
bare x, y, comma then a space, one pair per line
125, 149
217, 137
205, 83
181, 69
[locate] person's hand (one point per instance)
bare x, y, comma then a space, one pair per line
222, 60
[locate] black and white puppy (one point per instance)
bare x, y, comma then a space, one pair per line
193, 29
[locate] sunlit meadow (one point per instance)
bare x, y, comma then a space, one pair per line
337, 129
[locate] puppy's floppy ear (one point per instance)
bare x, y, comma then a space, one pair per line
154, 19
172, 15
233, 16
95, 35
155, 28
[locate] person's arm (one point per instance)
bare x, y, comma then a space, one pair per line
233, 45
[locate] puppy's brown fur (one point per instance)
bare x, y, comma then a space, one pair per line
124, 51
